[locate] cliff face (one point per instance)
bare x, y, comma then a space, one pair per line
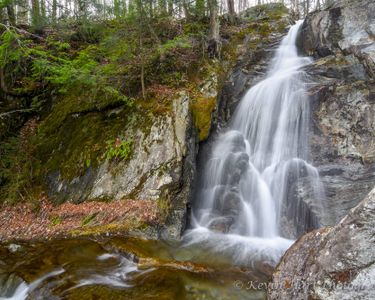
342, 136
161, 167
338, 262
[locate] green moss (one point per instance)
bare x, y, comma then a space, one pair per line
265, 29
164, 206
202, 109
272, 11
77, 141
89, 229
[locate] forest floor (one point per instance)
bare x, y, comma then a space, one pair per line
25, 222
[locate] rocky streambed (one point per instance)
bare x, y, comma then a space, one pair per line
121, 268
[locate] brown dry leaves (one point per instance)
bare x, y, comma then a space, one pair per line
22, 222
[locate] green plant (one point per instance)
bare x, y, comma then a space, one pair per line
181, 42
55, 220
88, 219
10, 48
119, 149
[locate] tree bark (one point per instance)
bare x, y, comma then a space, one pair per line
142, 68
317, 4
214, 44
185, 6
54, 11
231, 11
200, 9
170, 7
11, 15
22, 12
35, 13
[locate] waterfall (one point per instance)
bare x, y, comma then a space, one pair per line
252, 165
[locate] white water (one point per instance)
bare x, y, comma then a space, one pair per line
21, 292
112, 270
243, 199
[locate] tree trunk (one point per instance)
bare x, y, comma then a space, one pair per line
162, 7
307, 4
151, 9
43, 14
185, 6
317, 4
54, 11
214, 43
170, 7
22, 12
231, 11
199, 9
296, 6
35, 13
142, 68
11, 15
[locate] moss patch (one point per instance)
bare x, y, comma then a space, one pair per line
202, 109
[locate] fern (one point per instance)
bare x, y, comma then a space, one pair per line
117, 149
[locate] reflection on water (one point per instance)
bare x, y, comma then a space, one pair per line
121, 268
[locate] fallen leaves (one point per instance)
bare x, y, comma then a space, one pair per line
24, 222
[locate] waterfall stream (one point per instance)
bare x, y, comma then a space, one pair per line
246, 200
243, 200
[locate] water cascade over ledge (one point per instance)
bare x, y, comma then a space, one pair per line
244, 199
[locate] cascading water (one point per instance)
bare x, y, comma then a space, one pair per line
248, 176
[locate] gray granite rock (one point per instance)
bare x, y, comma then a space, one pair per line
162, 168
342, 135
331, 263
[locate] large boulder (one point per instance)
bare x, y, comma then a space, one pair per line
161, 168
335, 263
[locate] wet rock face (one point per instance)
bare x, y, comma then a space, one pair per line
161, 169
342, 135
336, 263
